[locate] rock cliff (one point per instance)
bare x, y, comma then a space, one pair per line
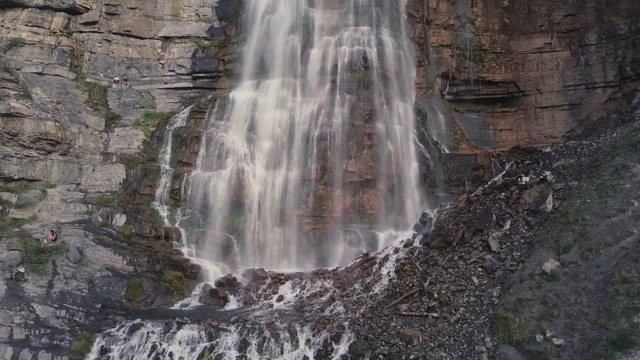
70, 151
494, 74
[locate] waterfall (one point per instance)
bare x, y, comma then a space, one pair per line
309, 162
164, 161
316, 138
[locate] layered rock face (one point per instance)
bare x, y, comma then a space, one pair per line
69, 146
496, 74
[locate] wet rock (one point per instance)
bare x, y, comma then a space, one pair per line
226, 282
260, 275
217, 298
11, 258
550, 265
424, 224
172, 234
486, 221
74, 255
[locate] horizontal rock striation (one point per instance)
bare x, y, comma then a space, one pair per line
516, 72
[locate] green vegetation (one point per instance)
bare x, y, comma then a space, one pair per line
25, 91
510, 324
134, 289
444, 299
37, 254
154, 217
19, 187
9, 227
130, 160
126, 230
7, 67
619, 340
150, 121
106, 199
97, 99
82, 344
173, 274
29, 201
96, 96
14, 42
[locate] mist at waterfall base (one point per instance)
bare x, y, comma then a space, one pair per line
284, 181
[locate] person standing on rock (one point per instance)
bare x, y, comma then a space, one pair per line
116, 79
125, 82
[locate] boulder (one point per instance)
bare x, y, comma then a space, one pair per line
550, 265
424, 224
257, 275
217, 298
226, 282
119, 220
74, 255
486, 221
11, 258
539, 198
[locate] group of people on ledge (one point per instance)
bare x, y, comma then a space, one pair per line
125, 81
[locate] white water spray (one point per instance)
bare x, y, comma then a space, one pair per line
319, 130
290, 157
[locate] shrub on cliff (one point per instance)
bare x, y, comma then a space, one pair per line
150, 121
37, 255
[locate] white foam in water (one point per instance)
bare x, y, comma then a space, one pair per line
254, 172
233, 303
164, 161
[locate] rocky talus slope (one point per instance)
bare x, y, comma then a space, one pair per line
540, 263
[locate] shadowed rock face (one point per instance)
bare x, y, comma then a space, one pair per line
520, 72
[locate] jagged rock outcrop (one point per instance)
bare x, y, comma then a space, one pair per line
496, 74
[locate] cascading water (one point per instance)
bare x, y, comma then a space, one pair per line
164, 162
309, 162
288, 152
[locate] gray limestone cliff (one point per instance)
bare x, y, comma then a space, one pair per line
71, 148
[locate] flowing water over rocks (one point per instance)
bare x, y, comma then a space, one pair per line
310, 161
314, 144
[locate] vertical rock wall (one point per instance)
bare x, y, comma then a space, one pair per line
523, 72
